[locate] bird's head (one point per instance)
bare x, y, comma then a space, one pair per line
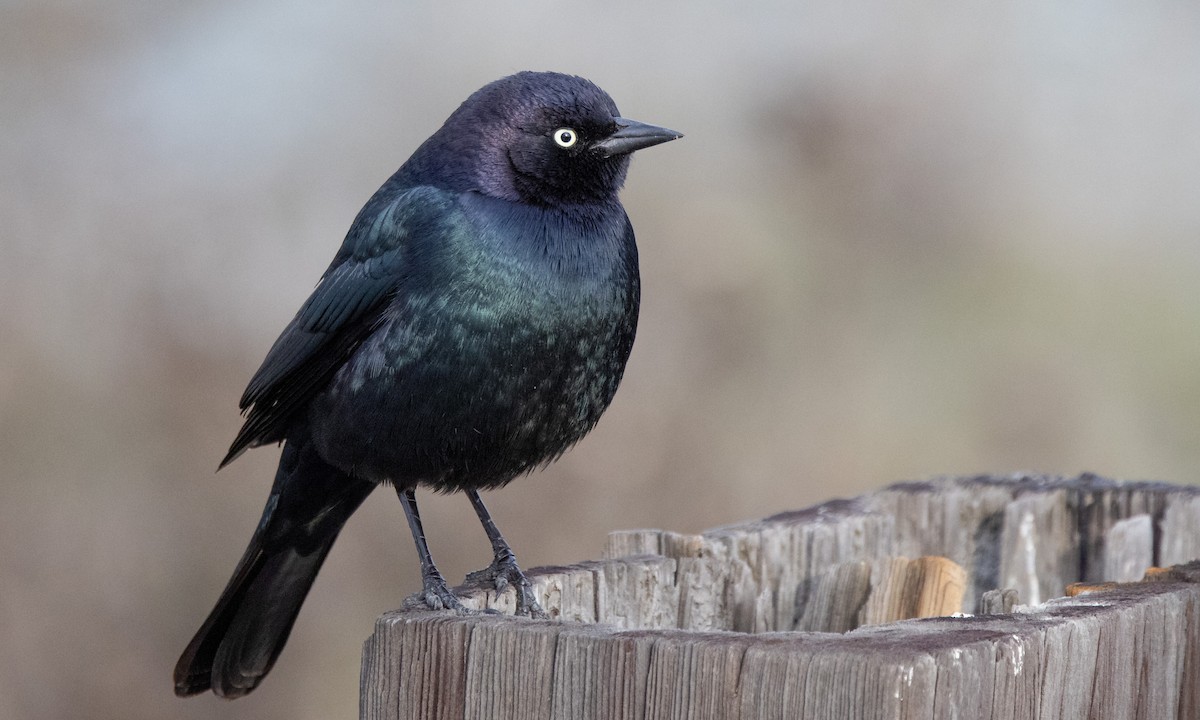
536, 137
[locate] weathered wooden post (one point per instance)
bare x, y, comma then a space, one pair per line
800, 615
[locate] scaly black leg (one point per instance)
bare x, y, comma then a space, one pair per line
435, 594
504, 569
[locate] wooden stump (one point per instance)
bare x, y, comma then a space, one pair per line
798, 616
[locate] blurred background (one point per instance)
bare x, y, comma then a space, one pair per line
899, 240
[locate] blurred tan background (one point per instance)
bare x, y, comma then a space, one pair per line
898, 240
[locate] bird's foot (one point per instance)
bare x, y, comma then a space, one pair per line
504, 572
436, 595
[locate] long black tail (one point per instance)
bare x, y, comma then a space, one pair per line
243, 635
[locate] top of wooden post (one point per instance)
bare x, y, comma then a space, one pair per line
724, 624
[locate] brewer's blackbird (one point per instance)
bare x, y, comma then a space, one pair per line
474, 325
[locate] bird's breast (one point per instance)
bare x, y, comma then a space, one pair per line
502, 364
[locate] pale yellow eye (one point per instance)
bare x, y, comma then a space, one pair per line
565, 137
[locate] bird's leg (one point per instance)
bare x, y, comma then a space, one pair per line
435, 594
504, 569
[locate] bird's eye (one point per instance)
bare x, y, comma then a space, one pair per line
565, 137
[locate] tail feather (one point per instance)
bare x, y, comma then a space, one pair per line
246, 630
264, 620
194, 671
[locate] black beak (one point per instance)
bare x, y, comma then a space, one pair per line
633, 135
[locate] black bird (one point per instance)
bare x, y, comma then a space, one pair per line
474, 325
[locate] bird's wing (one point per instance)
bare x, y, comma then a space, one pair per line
344, 308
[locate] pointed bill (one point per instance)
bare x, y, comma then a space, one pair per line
632, 135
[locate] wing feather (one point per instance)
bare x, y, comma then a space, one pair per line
343, 310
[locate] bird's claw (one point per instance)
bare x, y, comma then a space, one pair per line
504, 572
528, 605
436, 596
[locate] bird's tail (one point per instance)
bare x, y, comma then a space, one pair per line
243, 635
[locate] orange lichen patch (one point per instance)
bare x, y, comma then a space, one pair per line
1079, 588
